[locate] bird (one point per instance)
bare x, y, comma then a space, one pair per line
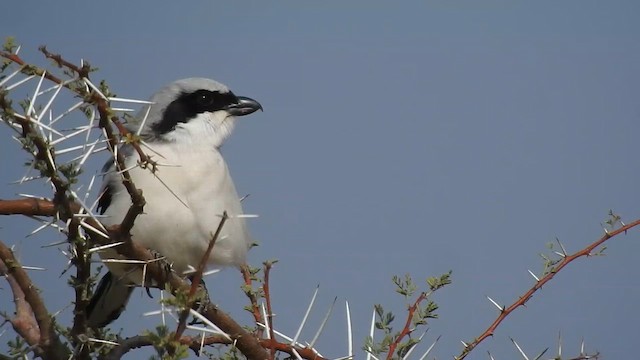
183, 130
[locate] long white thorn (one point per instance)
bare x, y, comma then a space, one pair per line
68, 111
323, 323
51, 88
519, 349
11, 87
10, 76
295, 352
122, 109
95, 88
53, 97
371, 331
564, 251
104, 247
267, 325
133, 101
501, 308
209, 323
370, 355
349, 331
285, 337
35, 95
87, 209
87, 226
144, 121
541, 354
413, 347
170, 190
38, 123
87, 153
70, 135
430, 348
306, 315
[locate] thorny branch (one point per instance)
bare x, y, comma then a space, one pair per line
267, 297
106, 118
251, 294
406, 330
63, 204
24, 321
197, 279
48, 343
522, 300
65, 208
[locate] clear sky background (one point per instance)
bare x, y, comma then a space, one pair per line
396, 138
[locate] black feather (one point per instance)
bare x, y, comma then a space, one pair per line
188, 105
108, 302
105, 199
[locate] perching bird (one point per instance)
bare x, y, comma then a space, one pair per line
186, 196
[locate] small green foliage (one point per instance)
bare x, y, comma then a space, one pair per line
181, 299
162, 340
404, 286
270, 262
420, 309
384, 319
403, 348
87, 110
18, 348
131, 138
71, 171
249, 291
549, 263
614, 221
104, 88
232, 354
437, 283
9, 45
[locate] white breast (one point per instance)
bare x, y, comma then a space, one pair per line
185, 199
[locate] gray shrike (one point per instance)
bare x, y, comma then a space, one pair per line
186, 125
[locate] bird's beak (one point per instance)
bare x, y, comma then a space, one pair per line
244, 106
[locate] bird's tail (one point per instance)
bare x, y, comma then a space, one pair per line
109, 300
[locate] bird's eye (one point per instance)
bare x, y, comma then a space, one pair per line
205, 99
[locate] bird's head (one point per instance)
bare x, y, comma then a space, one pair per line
193, 111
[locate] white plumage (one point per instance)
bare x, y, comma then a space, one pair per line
186, 195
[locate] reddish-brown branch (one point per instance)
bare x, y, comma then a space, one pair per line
255, 309
29, 206
24, 321
267, 298
197, 279
62, 63
28, 69
196, 342
49, 345
522, 300
406, 330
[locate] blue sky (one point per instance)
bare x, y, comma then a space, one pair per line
418, 139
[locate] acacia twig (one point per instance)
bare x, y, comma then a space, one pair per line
406, 330
253, 299
523, 299
197, 279
49, 345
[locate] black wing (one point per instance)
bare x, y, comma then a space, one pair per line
105, 199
